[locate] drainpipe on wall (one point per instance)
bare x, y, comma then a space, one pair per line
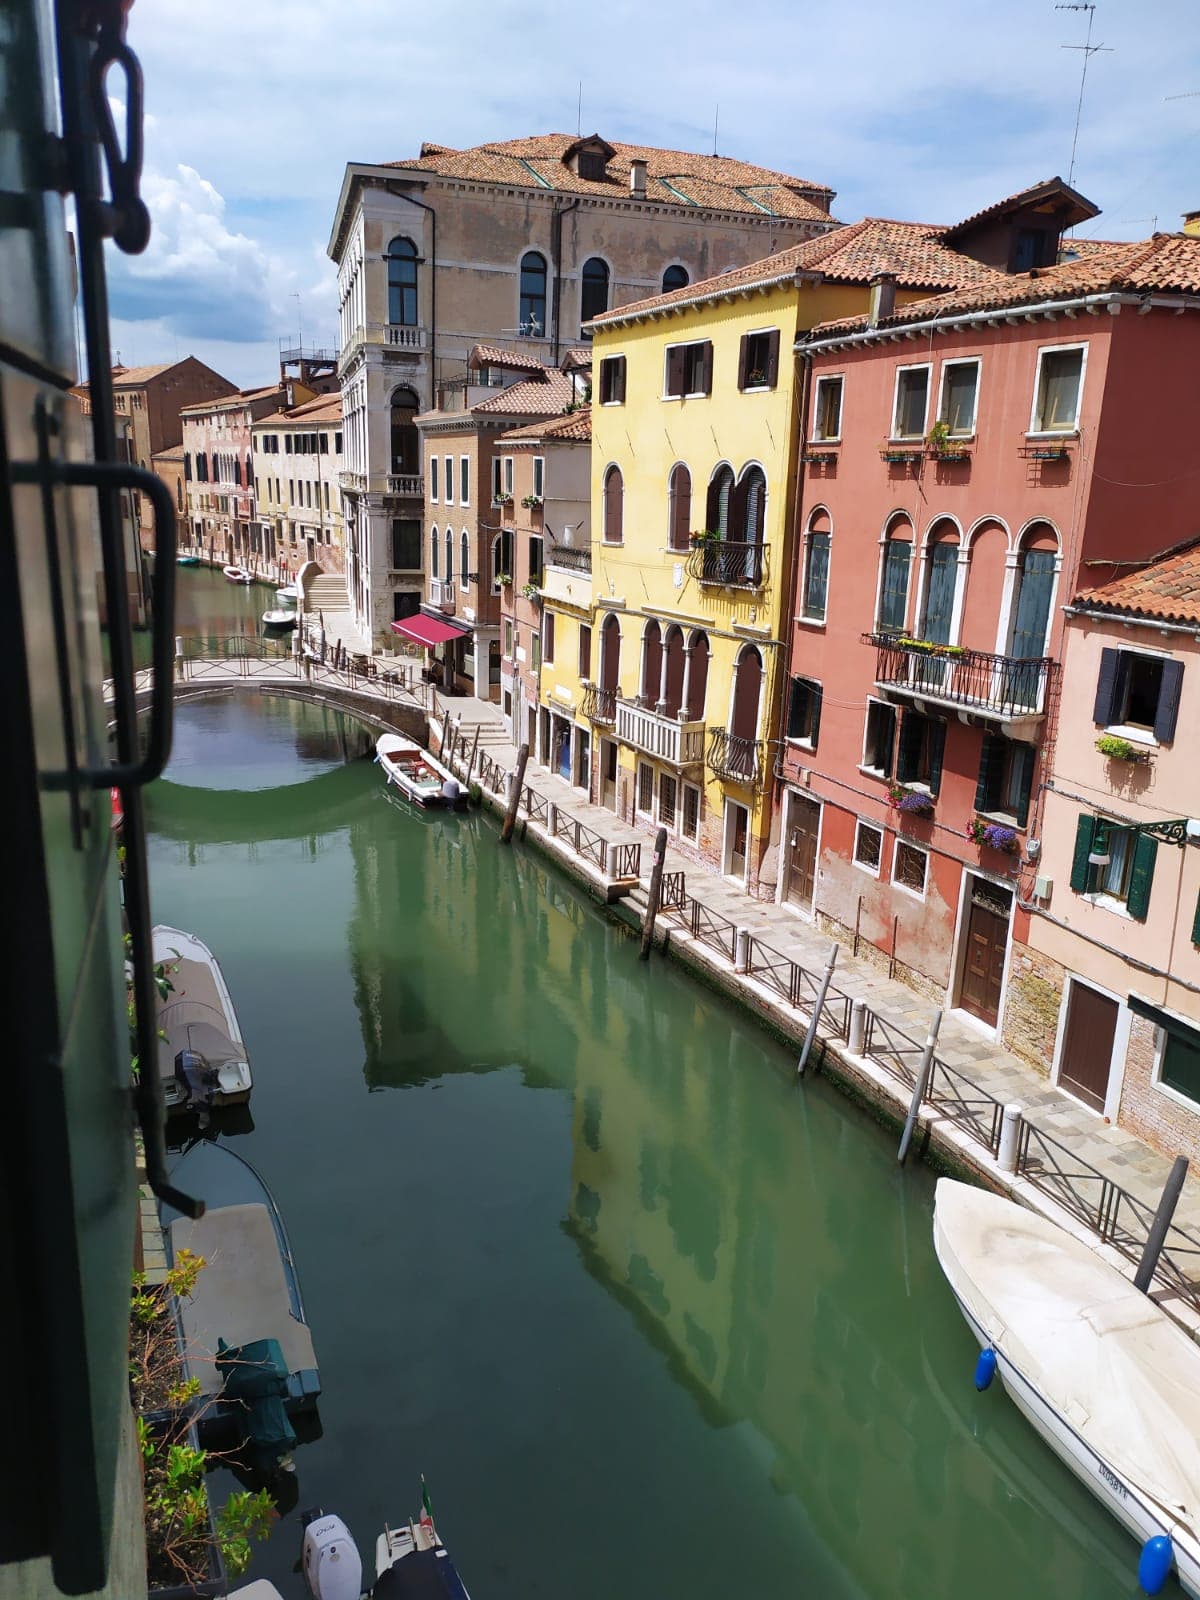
556, 251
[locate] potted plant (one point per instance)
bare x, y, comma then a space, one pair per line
942, 446
756, 379
531, 591
532, 502
1118, 749
504, 580
703, 536
910, 802
994, 835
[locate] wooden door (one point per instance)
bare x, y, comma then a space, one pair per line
983, 964
804, 817
737, 826
608, 774
1087, 1046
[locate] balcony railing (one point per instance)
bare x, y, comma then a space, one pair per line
599, 705
442, 594
1008, 688
356, 482
680, 744
732, 757
728, 563
405, 338
570, 560
410, 485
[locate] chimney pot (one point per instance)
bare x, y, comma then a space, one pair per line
637, 177
883, 297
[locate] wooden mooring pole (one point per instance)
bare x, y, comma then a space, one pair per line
919, 1088
1157, 1236
514, 797
474, 752
818, 1007
656, 877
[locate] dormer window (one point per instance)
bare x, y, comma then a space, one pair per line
588, 158
592, 165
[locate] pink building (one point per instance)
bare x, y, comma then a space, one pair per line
218, 465
1113, 945
966, 459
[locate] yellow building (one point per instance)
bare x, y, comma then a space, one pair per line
694, 478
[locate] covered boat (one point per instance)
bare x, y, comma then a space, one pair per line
411, 1562
1105, 1376
418, 775
237, 574
187, 559
201, 1054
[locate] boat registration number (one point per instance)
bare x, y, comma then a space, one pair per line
1113, 1482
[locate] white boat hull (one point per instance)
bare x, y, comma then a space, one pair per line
1140, 1517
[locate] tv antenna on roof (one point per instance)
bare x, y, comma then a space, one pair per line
1089, 50
716, 122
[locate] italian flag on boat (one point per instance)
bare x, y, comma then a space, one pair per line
426, 1508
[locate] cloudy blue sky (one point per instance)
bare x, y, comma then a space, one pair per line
925, 112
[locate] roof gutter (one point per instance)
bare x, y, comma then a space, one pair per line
616, 319
1192, 629
966, 318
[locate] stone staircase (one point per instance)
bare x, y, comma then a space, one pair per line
326, 599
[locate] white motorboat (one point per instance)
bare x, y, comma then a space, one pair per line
237, 574
279, 618
201, 1054
417, 775
1105, 1376
289, 591
411, 1562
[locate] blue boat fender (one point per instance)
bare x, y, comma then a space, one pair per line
985, 1368
1155, 1563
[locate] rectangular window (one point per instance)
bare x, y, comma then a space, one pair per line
612, 381
960, 396
535, 558
919, 758
645, 788
912, 403
324, 444
433, 479
827, 409
287, 444
448, 480
464, 481
758, 360
816, 576
909, 866
804, 712
337, 443
508, 637
880, 740
585, 651
868, 847
497, 483
1005, 779
689, 369
1113, 860
406, 544
893, 591
690, 821
668, 789
327, 497
1179, 1067
535, 651
508, 475
1056, 396
548, 637
539, 477
1139, 692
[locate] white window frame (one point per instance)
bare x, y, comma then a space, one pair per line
828, 438
448, 481
539, 477
699, 793
1057, 433
1161, 1036
506, 463
904, 888
758, 333
688, 394
600, 379
497, 479
433, 480
876, 772
464, 480
463, 578
660, 778
915, 366
859, 824
961, 361
637, 790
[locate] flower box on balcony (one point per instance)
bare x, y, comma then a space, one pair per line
821, 455
993, 835
504, 580
911, 802
532, 502
1118, 749
927, 647
947, 455
1045, 452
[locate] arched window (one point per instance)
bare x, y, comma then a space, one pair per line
697, 678
816, 566
1036, 567
402, 282
614, 506
651, 662
941, 583
679, 503
752, 505
610, 653
532, 311
673, 649
593, 292
675, 278
405, 442
433, 552
894, 577
464, 563
742, 757
720, 496
449, 555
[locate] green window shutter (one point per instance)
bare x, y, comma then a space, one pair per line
937, 751
1141, 875
1196, 923
1168, 701
1106, 687
773, 358
991, 768
1085, 830
742, 360
1026, 755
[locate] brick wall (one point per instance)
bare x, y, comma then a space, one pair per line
1162, 1121
1031, 1007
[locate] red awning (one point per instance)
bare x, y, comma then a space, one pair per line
426, 630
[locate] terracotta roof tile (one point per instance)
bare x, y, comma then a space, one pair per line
325, 408
1167, 263
545, 396
577, 360
172, 453
491, 355
240, 397
673, 177
1166, 589
131, 377
575, 425
1077, 206
854, 254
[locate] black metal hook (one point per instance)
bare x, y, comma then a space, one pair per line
127, 221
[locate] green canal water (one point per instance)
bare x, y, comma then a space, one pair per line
652, 1320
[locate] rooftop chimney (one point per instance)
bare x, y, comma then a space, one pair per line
637, 178
883, 297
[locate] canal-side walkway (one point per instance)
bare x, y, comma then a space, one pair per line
1101, 1181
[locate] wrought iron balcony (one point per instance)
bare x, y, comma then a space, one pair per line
679, 744
442, 594
599, 705
1004, 688
734, 758
729, 563
568, 558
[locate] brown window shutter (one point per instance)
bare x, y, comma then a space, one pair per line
620, 379
706, 368
675, 369
773, 358
743, 351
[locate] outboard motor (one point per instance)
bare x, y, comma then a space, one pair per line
451, 790
330, 1558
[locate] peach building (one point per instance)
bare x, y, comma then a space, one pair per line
1112, 946
968, 461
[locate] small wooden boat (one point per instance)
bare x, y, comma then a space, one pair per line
237, 574
187, 561
201, 1054
417, 775
1104, 1375
280, 618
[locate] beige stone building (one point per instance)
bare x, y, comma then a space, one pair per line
297, 464
517, 243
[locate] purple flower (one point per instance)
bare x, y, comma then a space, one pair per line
999, 838
916, 805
